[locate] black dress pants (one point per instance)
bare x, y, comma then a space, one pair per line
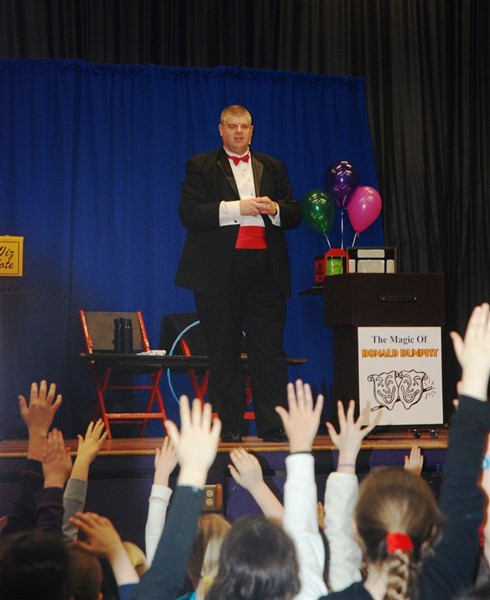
251, 303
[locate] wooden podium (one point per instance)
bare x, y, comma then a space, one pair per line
387, 344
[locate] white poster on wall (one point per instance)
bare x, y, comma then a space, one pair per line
400, 375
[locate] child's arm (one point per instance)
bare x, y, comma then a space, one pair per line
56, 468
452, 566
165, 463
247, 472
196, 445
301, 422
340, 498
76, 487
38, 416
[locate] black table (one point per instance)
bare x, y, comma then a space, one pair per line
151, 361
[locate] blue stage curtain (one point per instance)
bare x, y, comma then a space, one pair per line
92, 161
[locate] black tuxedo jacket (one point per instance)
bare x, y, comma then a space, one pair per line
206, 259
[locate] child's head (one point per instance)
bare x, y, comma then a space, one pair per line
137, 557
33, 564
85, 574
257, 560
397, 520
203, 561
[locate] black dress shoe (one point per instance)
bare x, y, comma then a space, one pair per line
278, 434
231, 436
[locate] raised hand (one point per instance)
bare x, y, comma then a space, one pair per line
247, 472
102, 536
246, 469
56, 460
473, 353
165, 462
348, 440
415, 461
197, 441
103, 539
302, 420
88, 448
38, 415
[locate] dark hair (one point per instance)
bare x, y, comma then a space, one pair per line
33, 564
326, 562
257, 560
85, 574
395, 500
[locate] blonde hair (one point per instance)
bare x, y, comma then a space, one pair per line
137, 557
395, 500
234, 110
202, 566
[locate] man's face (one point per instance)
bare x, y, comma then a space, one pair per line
236, 133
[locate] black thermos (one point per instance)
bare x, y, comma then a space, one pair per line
123, 336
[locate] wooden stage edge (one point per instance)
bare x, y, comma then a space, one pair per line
146, 446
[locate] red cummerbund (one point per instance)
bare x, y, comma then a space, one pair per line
251, 237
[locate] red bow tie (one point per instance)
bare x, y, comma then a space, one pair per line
237, 159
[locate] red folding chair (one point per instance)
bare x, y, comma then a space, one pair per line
122, 375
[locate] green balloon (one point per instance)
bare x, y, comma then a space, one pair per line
318, 210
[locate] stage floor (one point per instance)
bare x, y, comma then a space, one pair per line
384, 441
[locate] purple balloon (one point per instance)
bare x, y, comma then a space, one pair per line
341, 179
364, 208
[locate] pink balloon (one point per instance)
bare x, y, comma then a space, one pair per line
364, 207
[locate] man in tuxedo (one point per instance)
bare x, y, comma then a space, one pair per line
235, 205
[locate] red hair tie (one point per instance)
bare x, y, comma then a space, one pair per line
398, 541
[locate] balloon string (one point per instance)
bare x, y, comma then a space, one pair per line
354, 240
342, 229
328, 241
